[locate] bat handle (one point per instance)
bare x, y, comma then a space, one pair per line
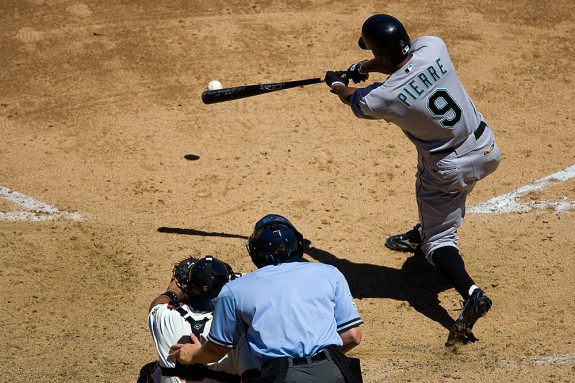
343, 75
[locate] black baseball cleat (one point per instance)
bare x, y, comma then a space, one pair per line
474, 308
409, 241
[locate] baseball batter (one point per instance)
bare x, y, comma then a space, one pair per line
186, 307
455, 145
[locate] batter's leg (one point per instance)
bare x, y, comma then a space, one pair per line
450, 264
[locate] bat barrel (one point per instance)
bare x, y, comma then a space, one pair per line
235, 93
228, 94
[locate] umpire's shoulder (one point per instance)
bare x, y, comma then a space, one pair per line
241, 278
324, 267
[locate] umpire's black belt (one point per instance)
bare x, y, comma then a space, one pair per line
306, 360
349, 367
310, 359
478, 133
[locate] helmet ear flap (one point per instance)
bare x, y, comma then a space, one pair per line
233, 275
299, 237
385, 35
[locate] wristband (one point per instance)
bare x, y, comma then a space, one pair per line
172, 295
336, 83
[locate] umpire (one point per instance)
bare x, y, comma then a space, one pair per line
299, 318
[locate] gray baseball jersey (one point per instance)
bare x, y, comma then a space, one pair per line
456, 147
425, 99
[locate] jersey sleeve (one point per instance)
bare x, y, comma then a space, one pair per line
346, 314
224, 331
360, 106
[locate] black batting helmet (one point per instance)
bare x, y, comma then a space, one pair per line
206, 277
385, 35
274, 240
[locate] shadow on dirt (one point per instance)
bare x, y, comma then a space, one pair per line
175, 230
417, 282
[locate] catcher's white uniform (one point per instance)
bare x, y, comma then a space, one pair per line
168, 326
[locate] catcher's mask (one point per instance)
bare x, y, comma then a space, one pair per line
206, 277
385, 35
274, 240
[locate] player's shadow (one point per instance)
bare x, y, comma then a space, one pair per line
417, 282
175, 230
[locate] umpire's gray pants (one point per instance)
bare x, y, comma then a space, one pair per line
315, 372
307, 371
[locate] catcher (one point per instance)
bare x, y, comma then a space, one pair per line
186, 307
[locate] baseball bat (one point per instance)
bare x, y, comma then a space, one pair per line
237, 92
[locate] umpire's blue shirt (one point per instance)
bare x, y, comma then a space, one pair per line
288, 310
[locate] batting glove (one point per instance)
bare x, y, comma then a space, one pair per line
354, 72
333, 78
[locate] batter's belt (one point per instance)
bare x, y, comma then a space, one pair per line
478, 133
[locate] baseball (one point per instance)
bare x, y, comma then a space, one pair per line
214, 84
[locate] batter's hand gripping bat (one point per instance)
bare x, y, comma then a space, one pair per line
228, 94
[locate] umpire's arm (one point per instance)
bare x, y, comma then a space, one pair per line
195, 352
351, 338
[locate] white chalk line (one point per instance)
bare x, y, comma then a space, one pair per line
508, 203
529, 361
35, 210
540, 360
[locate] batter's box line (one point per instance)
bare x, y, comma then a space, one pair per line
508, 203
35, 210
540, 360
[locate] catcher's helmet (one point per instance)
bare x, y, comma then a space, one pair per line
274, 240
206, 277
386, 36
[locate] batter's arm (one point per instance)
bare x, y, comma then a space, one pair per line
344, 92
372, 66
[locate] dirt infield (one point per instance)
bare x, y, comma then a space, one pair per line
102, 125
